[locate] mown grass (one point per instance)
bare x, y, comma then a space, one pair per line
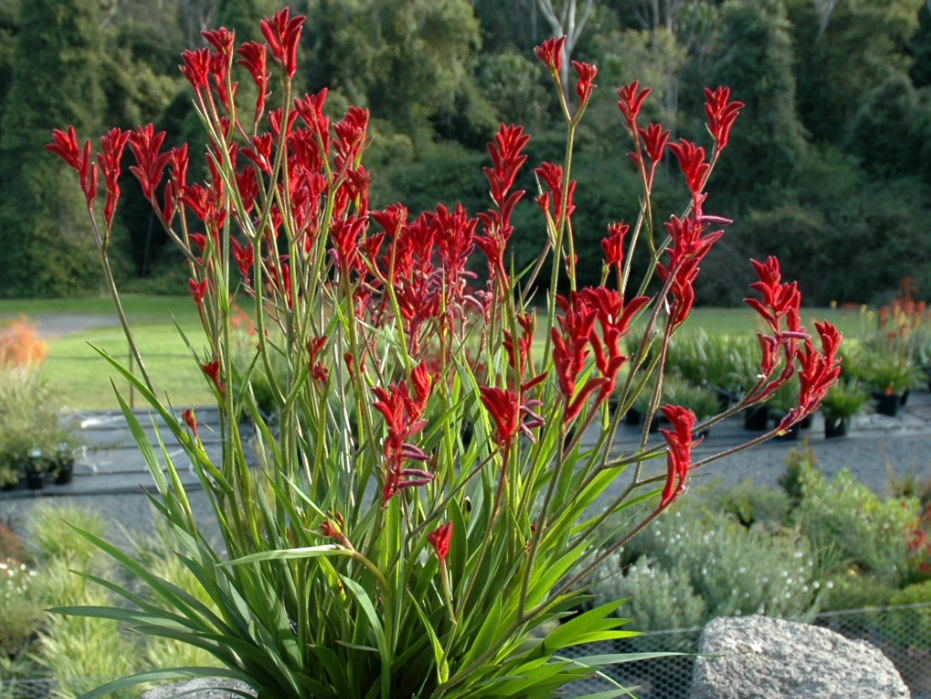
83, 379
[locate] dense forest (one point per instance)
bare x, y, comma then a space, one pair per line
829, 165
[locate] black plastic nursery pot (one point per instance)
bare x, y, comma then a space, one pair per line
35, 480
887, 403
64, 473
835, 427
756, 418
806, 422
633, 417
904, 400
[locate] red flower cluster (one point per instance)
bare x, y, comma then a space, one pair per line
212, 370
679, 452
631, 102
66, 147
507, 161
576, 336
721, 113
587, 74
690, 245
404, 418
819, 371
613, 245
318, 369
283, 35
551, 52
440, 540
111, 153
552, 176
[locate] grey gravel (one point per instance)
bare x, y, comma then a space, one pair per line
761, 658
201, 688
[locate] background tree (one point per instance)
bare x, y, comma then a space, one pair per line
755, 59
48, 248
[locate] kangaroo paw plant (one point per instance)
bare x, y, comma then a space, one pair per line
418, 517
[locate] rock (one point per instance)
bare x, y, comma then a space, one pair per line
763, 658
201, 688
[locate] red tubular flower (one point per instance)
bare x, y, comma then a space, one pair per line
654, 142
613, 245
552, 175
587, 74
274, 121
318, 370
66, 147
248, 187
244, 256
191, 421
196, 68
261, 155
255, 60
222, 40
111, 147
679, 453
819, 371
178, 160
198, 291
504, 408
345, 235
550, 52
631, 101
212, 370
393, 219
692, 161
403, 418
350, 136
440, 540
506, 161
283, 35
721, 113
614, 317
311, 110
688, 249
145, 144
779, 300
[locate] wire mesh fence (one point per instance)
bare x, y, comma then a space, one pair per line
902, 633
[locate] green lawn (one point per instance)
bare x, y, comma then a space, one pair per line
83, 378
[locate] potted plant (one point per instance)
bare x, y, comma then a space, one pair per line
890, 375
63, 464
34, 468
843, 401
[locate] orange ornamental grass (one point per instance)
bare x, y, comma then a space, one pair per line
20, 344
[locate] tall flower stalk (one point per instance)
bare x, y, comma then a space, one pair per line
417, 514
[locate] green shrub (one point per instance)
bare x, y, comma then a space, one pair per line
910, 627
29, 421
76, 650
726, 362
732, 570
801, 469
849, 525
19, 614
658, 599
850, 590
51, 538
747, 503
846, 399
